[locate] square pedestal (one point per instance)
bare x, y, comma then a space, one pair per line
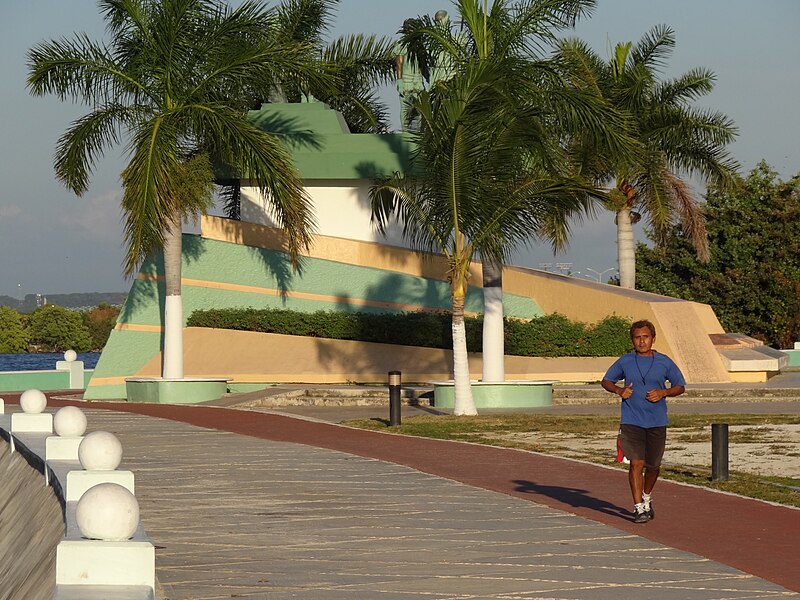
31, 423
80, 481
75, 369
62, 447
95, 562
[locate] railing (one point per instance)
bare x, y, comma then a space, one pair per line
105, 552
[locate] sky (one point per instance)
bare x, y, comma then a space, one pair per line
52, 242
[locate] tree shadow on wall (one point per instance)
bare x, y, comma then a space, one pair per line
391, 293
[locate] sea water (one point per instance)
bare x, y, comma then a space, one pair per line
42, 361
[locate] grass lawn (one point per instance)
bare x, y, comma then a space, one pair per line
593, 438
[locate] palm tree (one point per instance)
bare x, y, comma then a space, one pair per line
514, 33
468, 153
359, 63
174, 81
675, 138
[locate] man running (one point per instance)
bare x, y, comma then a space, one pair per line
643, 429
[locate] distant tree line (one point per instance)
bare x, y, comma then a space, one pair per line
82, 301
53, 328
752, 279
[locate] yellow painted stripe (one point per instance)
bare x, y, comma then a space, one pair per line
139, 327
235, 287
95, 381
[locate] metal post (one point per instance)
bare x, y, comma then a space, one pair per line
394, 398
719, 452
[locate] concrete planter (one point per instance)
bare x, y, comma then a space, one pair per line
190, 390
505, 394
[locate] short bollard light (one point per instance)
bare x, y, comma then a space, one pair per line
719, 452
394, 398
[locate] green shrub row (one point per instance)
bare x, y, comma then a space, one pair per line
551, 335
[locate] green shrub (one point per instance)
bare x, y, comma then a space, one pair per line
55, 329
13, 337
550, 335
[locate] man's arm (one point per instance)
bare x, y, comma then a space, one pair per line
622, 392
659, 394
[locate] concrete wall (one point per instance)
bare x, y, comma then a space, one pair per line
331, 199
249, 357
236, 264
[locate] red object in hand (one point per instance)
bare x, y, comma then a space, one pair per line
620, 453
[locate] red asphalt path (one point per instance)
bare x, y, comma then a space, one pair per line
752, 536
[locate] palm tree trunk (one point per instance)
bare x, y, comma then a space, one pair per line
625, 249
493, 334
463, 403
172, 366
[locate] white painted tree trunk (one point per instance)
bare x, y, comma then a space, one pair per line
493, 334
172, 365
626, 255
463, 402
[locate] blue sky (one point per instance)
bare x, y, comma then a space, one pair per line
53, 242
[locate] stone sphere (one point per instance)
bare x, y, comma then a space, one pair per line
69, 420
107, 511
70, 355
100, 451
32, 401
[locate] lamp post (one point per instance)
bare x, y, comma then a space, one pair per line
600, 274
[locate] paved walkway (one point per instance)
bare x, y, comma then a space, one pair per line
258, 505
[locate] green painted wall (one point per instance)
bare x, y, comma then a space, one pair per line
214, 261
323, 148
19, 381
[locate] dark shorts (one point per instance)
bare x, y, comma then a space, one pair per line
643, 443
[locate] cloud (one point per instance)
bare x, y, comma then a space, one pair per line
10, 211
96, 217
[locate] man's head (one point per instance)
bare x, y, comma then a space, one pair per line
643, 334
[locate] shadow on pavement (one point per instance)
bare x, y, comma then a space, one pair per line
572, 496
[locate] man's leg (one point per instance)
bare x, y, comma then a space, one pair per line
650, 478
656, 440
633, 439
635, 479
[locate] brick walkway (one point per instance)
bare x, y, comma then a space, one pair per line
755, 537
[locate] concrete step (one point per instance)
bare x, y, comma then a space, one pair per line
759, 358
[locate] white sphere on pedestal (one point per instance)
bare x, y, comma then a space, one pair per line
107, 511
70, 355
100, 451
69, 420
33, 401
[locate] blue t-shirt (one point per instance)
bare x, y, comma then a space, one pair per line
645, 373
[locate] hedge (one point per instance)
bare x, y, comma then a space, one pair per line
550, 335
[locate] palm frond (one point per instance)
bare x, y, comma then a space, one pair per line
147, 201
654, 48
84, 142
691, 215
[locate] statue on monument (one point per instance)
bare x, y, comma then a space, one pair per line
409, 80
411, 76
443, 67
